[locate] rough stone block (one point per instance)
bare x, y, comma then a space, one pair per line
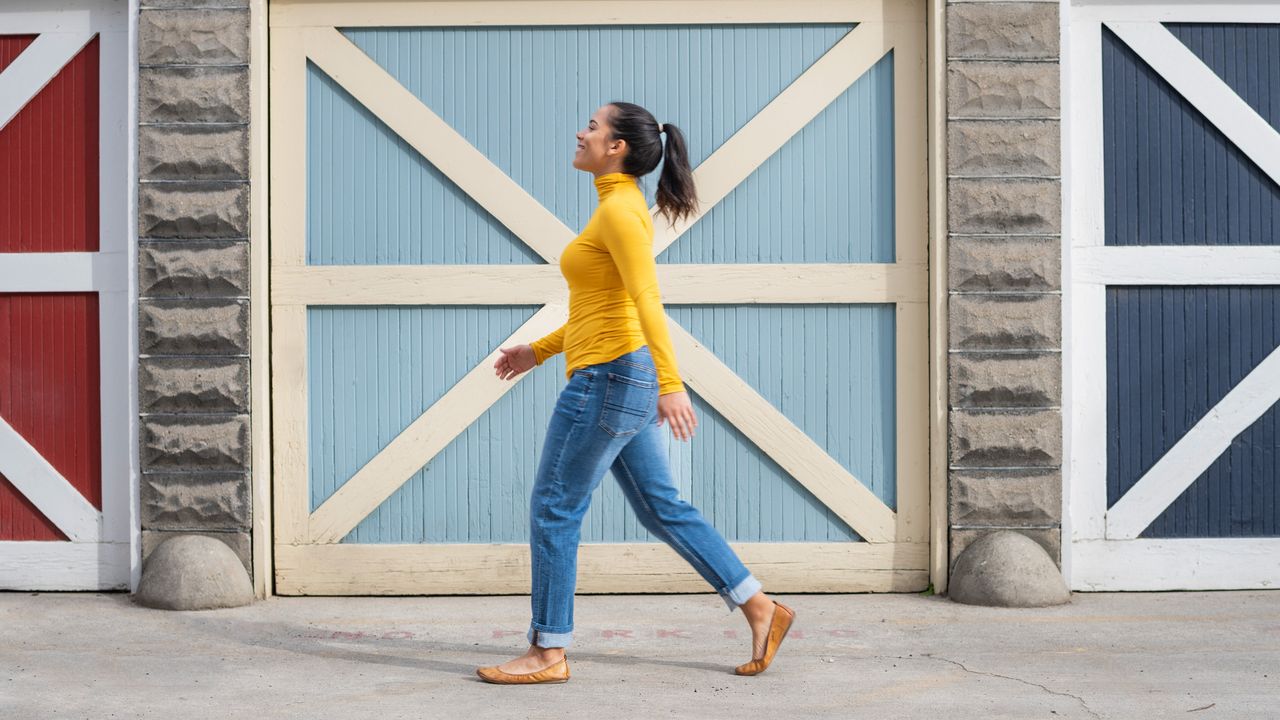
193, 269
1004, 206
193, 37
180, 4
1005, 379
1004, 147
239, 542
1005, 568
1049, 538
189, 443
195, 210
1003, 89
1006, 438
193, 95
193, 153
1005, 263
1014, 30
195, 501
193, 385
1005, 321
1006, 498
193, 327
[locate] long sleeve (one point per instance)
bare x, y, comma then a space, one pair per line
625, 235
549, 344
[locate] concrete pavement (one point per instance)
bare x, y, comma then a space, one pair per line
1106, 655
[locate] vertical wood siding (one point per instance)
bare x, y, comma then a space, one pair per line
373, 200
1171, 178
519, 95
49, 160
377, 369
1172, 354
1245, 55
49, 394
49, 385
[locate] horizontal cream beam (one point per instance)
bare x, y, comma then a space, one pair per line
794, 283
417, 285
589, 12
539, 284
377, 569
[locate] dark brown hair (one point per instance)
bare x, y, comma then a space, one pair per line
677, 198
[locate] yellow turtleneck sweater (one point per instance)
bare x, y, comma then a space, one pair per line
614, 304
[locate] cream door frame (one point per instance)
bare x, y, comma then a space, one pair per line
309, 556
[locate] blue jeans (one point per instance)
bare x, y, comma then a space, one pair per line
606, 418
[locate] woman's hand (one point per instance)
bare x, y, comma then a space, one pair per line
514, 361
676, 409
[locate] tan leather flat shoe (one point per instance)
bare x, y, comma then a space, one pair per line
557, 673
778, 627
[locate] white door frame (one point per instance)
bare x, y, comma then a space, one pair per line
1104, 551
103, 553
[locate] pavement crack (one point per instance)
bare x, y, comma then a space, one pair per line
962, 666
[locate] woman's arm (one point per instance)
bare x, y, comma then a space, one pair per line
624, 233
549, 344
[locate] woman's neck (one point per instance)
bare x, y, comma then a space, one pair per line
606, 183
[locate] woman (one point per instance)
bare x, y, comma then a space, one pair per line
622, 373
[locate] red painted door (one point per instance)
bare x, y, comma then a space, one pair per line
49, 385
66, 429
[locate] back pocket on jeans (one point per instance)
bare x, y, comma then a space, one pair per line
628, 403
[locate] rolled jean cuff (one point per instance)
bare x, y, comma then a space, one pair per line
740, 593
545, 639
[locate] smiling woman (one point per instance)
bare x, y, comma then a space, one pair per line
614, 302
428, 202
622, 375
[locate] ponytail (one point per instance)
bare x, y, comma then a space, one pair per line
677, 197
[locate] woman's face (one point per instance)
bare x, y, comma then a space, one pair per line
597, 153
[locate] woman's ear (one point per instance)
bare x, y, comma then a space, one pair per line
616, 147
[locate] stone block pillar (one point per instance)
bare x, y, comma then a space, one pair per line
1004, 224
193, 271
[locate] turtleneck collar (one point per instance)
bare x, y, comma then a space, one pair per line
607, 183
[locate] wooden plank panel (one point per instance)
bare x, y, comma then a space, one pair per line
1171, 176
373, 200
424, 438
49, 393
1245, 55
513, 107
49, 158
1173, 354
847, 408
